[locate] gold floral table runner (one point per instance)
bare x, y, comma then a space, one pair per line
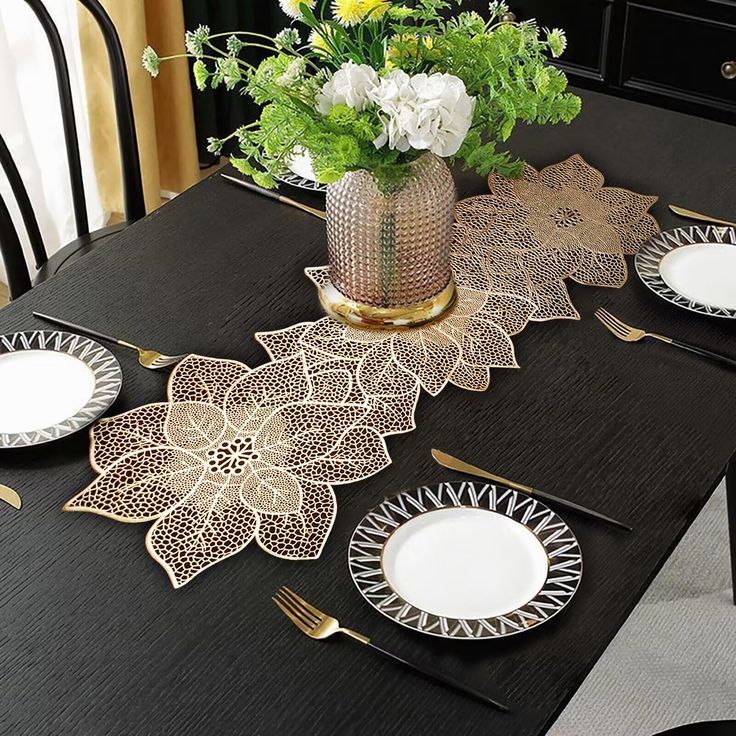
239, 454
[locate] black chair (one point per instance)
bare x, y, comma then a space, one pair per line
20, 279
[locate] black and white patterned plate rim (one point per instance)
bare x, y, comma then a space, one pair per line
647, 262
300, 182
560, 544
105, 368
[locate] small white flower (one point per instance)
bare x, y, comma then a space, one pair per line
293, 72
425, 112
288, 38
350, 85
195, 40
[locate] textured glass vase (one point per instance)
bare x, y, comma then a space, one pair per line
389, 246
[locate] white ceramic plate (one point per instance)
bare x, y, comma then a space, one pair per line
692, 267
465, 560
301, 174
52, 384
704, 273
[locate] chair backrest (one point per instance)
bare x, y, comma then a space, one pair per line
130, 163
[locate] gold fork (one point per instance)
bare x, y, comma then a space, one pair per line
151, 359
318, 625
627, 333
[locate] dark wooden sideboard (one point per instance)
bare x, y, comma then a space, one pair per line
679, 54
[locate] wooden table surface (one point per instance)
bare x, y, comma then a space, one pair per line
93, 639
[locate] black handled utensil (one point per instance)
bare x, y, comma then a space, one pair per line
453, 463
274, 195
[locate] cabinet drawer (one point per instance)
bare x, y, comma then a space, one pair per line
679, 51
586, 23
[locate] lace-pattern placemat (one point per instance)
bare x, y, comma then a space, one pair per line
239, 454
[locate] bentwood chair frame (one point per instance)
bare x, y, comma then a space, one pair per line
19, 277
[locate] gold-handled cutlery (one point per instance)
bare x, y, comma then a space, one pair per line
691, 215
151, 359
627, 333
453, 463
274, 195
318, 625
10, 496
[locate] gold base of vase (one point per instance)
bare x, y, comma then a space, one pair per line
337, 305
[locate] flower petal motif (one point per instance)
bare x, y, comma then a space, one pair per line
198, 378
470, 377
334, 385
283, 343
549, 225
358, 454
377, 380
209, 527
272, 491
138, 429
194, 425
141, 485
302, 535
429, 354
298, 433
251, 399
234, 450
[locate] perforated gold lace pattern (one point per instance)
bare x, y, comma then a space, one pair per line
235, 455
532, 233
239, 454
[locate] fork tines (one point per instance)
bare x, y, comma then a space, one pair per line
614, 324
304, 615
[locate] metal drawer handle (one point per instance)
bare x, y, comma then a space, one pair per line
728, 69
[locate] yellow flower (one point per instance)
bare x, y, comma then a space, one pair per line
352, 12
410, 46
318, 42
376, 8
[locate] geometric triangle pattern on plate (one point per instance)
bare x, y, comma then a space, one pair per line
108, 379
565, 563
649, 258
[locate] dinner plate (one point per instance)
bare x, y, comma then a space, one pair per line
301, 182
693, 267
52, 384
301, 174
465, 560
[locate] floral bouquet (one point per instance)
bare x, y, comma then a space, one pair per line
378, 83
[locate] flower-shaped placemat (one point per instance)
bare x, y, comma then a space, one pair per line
532, 233
238, 454
234, 455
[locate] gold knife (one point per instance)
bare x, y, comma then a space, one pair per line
699, 216
274, 195
453, 463
10, 496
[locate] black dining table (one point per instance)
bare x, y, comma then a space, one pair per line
93, 638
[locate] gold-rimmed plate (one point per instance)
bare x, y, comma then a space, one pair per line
465, 560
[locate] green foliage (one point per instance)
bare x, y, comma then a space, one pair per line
504, 66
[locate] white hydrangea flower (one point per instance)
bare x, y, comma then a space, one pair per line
350, 85
425, 112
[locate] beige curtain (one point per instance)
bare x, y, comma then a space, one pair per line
162, 107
